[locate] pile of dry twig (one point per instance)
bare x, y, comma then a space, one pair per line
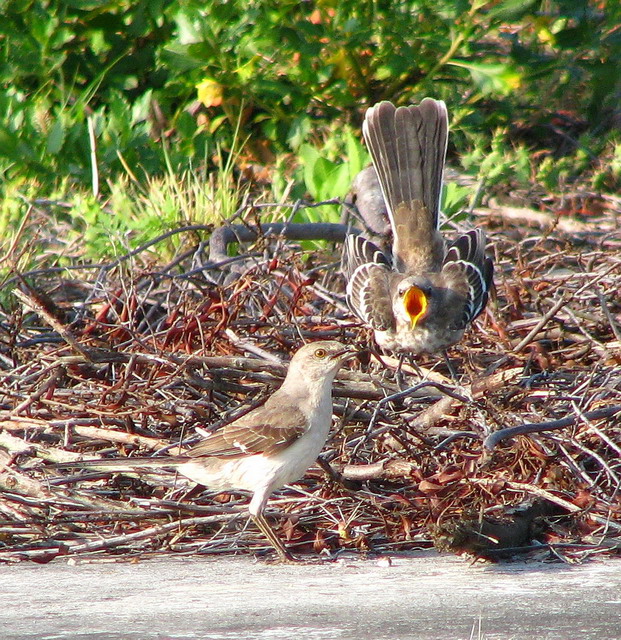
136, 358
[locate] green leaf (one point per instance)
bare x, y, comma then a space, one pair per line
298, 132
336, 181
357, 155
55, 137
309, 157
322, 178
492, 78
454, 199
512, 9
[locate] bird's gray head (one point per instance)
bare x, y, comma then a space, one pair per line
320, 359
413, 299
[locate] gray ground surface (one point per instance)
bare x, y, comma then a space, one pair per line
426, 596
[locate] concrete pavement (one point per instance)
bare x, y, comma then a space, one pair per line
421, 597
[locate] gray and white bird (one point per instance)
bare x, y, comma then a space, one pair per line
422, 298
267, 448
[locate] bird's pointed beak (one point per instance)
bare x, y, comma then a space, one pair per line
346, 354
415, 303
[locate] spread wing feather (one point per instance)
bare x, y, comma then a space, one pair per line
466, 261
368, 274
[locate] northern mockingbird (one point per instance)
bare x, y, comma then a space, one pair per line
424, 298
269, 446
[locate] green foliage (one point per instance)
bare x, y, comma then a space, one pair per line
499, 163
327, 177
608, 175
136, 67
183, 87
130, 217
64, 62
455, 200
134, 215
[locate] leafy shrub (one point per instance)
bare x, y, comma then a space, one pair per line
166, 83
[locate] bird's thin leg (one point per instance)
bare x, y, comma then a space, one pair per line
415, 366
450, 367
399, 379
268, 532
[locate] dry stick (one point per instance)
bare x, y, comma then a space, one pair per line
121, 437
569, 462
493, 439
597, 431
529, 488
15, 445
409, 391
606, 311
223, 236
482, 386
108, 266
109, 543
564, 299
159, 530
589, 338
41, 391
533, 218
369, 434
600, 461
19, 424
456, 435
354, 385
38, 307
350, 384
13, 481
386, 469
245, 345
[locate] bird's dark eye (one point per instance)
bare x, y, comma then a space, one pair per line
321, 353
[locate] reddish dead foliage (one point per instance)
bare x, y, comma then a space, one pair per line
142, 361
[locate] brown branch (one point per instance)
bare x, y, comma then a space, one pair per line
350, 384
111, 435
13, 481
493, 439
564, 299
151, 532
37, 304
62, 549
384, 470
223, 236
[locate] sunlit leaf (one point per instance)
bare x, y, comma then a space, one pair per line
512, 9
210, 92
491, 78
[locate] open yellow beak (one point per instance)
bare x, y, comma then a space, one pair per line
415, 303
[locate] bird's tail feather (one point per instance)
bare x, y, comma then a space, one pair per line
408, 147
124, 464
